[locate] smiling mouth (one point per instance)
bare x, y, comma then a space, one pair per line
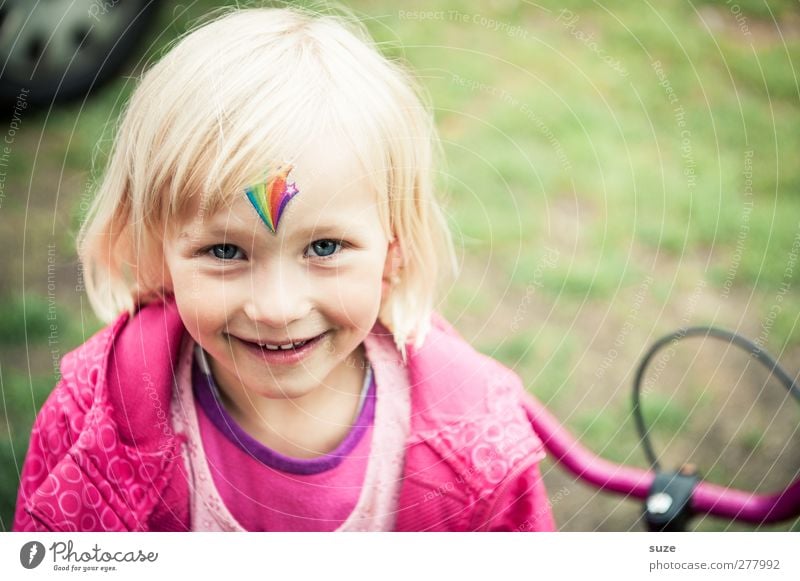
282, 348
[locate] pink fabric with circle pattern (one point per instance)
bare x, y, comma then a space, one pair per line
84, 471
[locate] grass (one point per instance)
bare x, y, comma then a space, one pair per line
24, 319
569, 184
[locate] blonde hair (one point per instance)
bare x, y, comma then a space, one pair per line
224, 103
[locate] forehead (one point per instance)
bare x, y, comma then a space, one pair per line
334, 189
332, 181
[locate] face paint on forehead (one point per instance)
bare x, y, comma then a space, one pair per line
270, 198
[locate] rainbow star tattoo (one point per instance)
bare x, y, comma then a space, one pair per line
270, 198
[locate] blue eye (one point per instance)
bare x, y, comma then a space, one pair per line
225, 251
324, 248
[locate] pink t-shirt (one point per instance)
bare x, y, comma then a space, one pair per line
267, 491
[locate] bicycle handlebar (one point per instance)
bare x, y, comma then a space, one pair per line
707, 498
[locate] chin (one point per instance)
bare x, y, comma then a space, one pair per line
284, 391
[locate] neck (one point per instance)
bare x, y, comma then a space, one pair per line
307, 426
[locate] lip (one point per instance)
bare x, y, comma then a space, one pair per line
281, 357
281, 342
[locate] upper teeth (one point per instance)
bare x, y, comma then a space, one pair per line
284, 347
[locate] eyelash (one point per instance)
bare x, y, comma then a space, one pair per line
209, 251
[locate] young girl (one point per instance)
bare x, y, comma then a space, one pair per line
266, 245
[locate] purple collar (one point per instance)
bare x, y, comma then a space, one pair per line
208, 397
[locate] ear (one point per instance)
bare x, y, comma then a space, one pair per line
392, 267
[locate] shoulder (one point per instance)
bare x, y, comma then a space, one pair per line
468, 402
449, 379
84, 369
94, 423
102, 368
59, 427
470, 436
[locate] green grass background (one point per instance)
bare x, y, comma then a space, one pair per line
581, 237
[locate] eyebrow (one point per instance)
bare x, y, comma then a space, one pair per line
233, 230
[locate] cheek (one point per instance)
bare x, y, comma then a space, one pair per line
357, 297
201, 303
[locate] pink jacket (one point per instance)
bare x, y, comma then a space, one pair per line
471, 458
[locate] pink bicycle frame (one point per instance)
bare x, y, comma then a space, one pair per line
610, 477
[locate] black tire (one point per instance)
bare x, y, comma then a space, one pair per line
53, 52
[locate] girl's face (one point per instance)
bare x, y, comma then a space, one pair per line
319, 277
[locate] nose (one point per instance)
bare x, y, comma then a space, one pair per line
278, 296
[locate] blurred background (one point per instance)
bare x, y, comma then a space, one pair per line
615, 171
